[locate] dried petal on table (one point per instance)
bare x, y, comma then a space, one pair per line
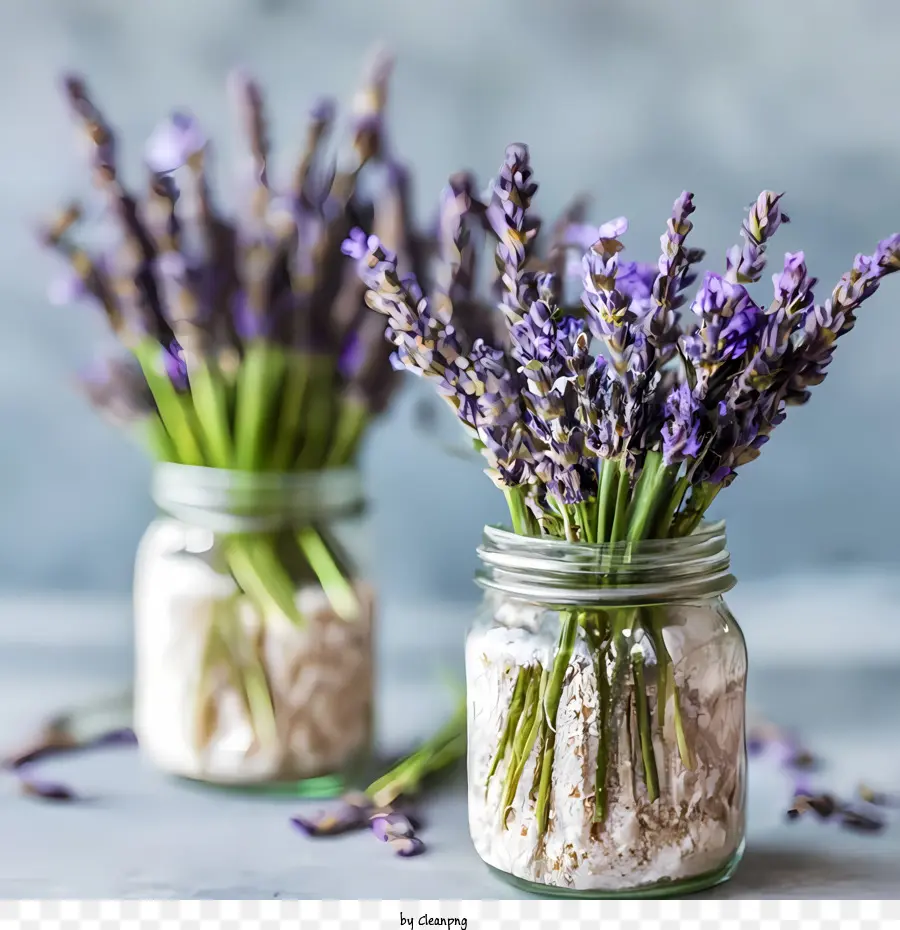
407, 846
391, 826
46, 790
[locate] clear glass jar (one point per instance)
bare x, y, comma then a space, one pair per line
606, 704
254, 654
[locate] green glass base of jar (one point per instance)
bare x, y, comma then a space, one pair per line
320, 788
667, 888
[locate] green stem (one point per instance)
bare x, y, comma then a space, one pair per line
620, 517
651, 776
563, 511
210, 398
684, 749
512, 720
596, 635
337, 587
609, 480
175, 410
259, 374
287, 433
253, 683
525, 739
352, 419
447, 745
158, 440
653, 492
585, 524
258, 570
567, 637
516, 503
664, 521
662, 668
319, 415
652, 463
702, 497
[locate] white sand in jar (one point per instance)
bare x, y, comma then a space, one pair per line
693, 828
320, 676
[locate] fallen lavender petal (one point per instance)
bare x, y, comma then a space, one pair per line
391, 826
124, 736
46, 790
854, 818
407, 846
824, 805
344, 819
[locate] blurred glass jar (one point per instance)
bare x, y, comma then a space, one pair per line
254, 652
606, 692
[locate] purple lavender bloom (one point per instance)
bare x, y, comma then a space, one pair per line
46, 790
793, 285
176, 369
807, 361
506, 215
582, 236
745, 264
681, 431
67, 288
635, 280
730, 322
607, 306
174, 143
352, 356
345, 818
661, 321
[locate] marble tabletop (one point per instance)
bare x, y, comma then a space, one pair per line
140, 834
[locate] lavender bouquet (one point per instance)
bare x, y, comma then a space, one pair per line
607, 426
250, 352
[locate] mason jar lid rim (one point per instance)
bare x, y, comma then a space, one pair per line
560, 571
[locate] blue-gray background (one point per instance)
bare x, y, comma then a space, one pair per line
631, 102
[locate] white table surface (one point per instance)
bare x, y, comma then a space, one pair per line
144, 835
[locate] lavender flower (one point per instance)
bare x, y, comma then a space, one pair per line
681, 431
807, 362
606, 305
507, 217
174, 143
745, 264
661, 323
730, 322
551, 417
479, 388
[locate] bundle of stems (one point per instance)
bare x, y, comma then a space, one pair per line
616, 423
249, 347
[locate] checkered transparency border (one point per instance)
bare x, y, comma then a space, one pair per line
464, 915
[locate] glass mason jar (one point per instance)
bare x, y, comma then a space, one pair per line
606, 703
254, 628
